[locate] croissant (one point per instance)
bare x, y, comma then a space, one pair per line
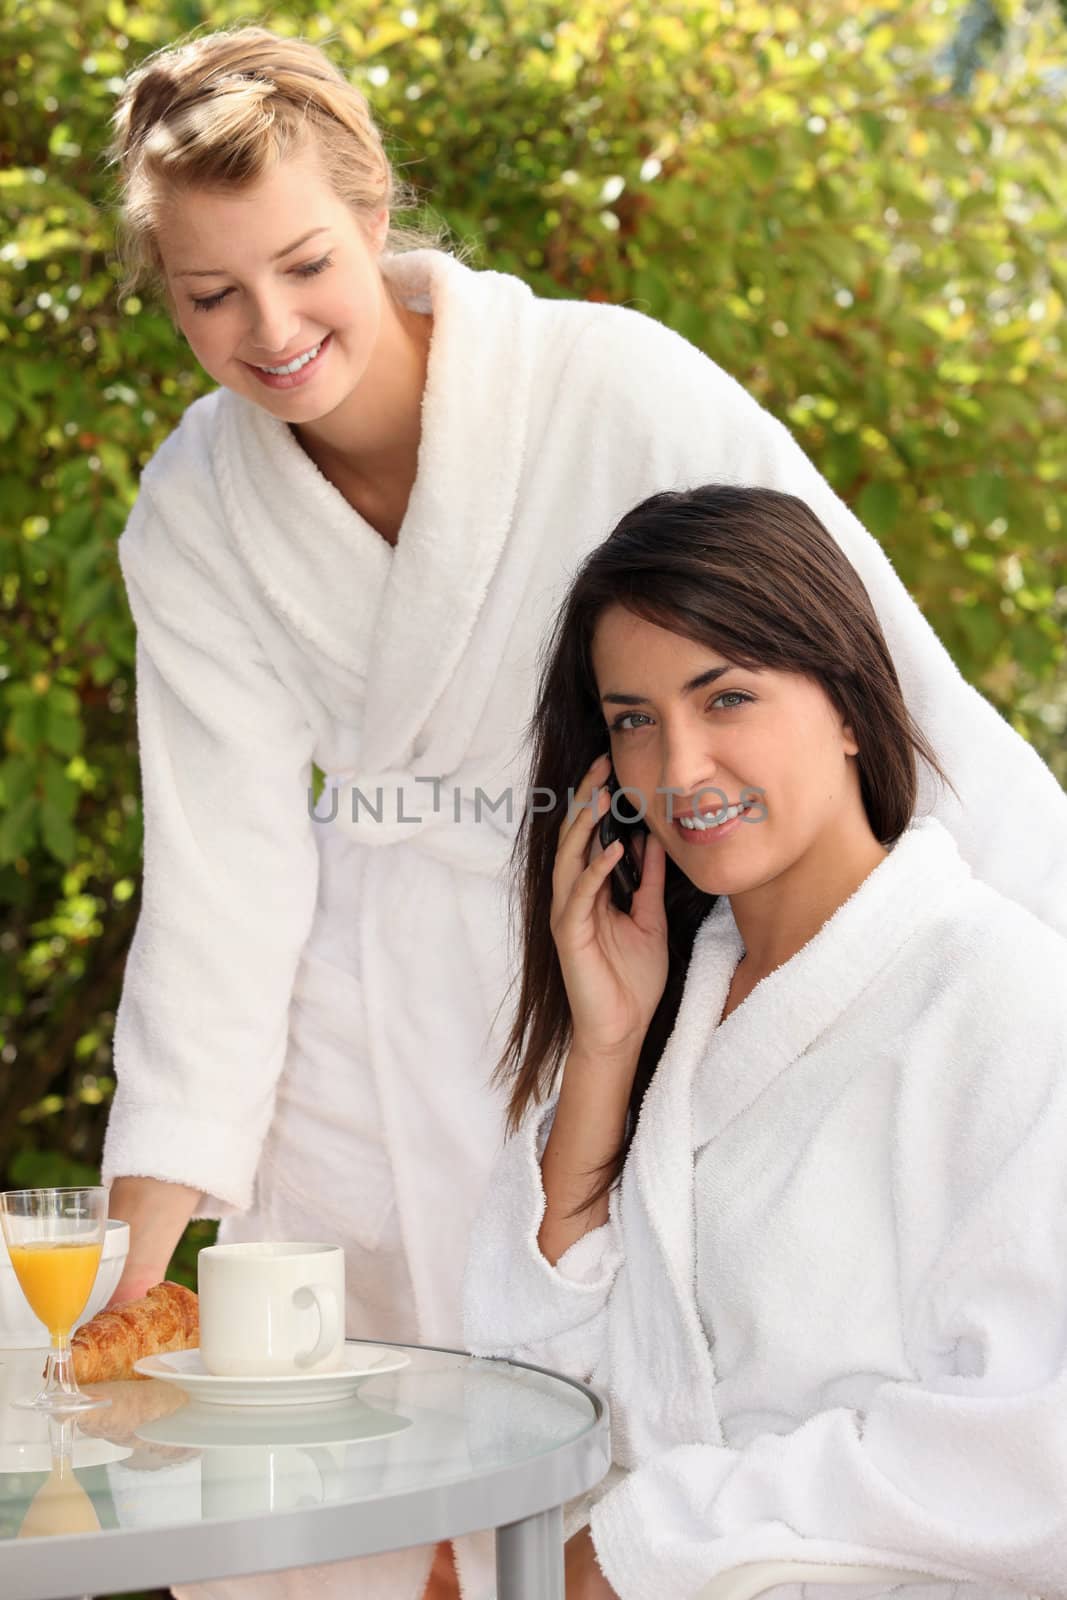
132, 1405
105, 1348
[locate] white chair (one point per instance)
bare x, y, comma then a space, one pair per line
759, 1577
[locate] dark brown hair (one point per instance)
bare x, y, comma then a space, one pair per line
753, 574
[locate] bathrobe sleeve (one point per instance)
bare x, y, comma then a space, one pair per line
515, 1303
700, 426
230, 877
961, 1471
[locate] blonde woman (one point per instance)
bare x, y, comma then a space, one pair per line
346, 555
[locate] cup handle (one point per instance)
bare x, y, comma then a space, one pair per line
324, 1298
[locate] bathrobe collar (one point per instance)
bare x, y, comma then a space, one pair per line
709, 1075
304, 544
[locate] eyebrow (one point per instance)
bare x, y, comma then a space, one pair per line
220, 272
701, 681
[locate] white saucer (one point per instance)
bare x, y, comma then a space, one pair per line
197, 1427
37, 1456
360, 1362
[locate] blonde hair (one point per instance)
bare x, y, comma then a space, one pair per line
220, 111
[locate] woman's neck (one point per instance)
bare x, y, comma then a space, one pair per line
777, 919
370, 443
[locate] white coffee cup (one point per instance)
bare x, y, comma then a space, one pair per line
269, 1309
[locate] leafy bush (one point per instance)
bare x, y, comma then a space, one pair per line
806, 194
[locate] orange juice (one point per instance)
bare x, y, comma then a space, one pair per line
57, 1279
60, 1505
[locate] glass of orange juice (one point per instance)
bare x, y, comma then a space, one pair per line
54, 1238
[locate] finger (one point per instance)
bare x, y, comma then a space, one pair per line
595, 777
587, 886
573, 853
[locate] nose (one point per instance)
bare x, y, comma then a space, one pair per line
274, 325
689, 763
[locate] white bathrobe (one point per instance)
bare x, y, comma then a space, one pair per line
829, 1305
308, 1019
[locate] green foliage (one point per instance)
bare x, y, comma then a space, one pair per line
799, 191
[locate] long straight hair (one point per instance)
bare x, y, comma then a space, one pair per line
753, 574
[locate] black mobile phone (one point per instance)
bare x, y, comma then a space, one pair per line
622, 822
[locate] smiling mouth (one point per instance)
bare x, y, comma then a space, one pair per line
291, 366
712, 819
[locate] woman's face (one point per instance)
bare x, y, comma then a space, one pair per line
273, 273
681, 717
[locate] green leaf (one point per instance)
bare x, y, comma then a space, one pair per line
51, 1169
763, 159
28, 721
18, 779
61, 794
18, 830
57, 833
987, 493
878, 507
873, 129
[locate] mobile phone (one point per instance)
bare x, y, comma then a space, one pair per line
622, 822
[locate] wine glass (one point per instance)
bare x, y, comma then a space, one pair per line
54, 1238
60, 1505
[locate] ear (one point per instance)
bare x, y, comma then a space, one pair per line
376, 229
850, 746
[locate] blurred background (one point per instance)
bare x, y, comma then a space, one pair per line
857, 212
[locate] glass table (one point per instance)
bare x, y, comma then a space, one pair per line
153, 1490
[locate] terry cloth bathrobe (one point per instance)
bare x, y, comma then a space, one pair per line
309, 1014
829, 1305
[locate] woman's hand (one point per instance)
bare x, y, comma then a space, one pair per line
585, 1581
614, 964
157, 1213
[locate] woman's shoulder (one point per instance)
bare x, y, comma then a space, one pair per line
979, 931
179, 515
982, 981
185, 456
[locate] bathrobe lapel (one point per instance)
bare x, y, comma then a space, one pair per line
797, 1002
304, 546
463, 503
308, 549
659, 1220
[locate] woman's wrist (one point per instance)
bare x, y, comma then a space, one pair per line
609, 1064
157, 1213
586, 1135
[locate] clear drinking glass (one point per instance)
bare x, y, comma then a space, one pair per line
54, 1238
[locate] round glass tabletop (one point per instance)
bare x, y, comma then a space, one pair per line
445, 1445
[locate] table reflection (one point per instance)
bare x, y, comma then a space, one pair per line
60, 1505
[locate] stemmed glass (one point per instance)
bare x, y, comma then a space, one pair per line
60, 1505
54, 1238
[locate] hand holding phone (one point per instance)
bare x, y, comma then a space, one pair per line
621, 822
614, 965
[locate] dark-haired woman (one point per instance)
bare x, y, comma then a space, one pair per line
828, 1298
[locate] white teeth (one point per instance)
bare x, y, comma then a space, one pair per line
294, 366
711, 819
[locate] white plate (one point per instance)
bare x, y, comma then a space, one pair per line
37, 1457
360, 1362
196, 1427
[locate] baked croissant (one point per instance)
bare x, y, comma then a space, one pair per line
105, 1348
